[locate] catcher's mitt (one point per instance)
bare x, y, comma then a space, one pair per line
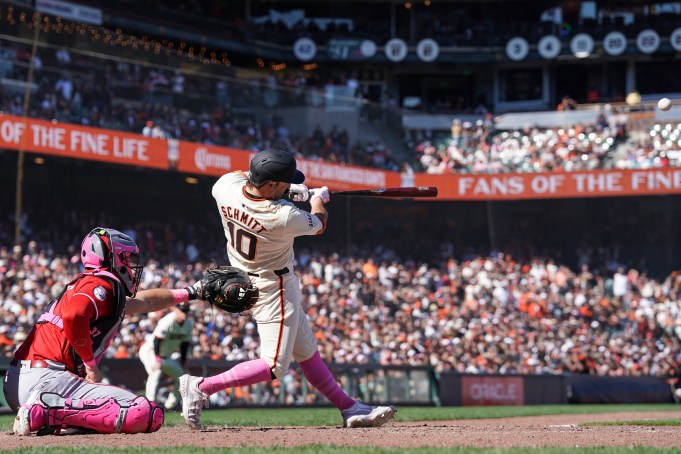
229, 288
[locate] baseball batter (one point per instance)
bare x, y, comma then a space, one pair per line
53, 381
172, 333
260, 227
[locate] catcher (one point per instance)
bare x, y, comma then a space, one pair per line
53, 381
261, 224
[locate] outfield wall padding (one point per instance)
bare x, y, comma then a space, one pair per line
447, 389
618, 390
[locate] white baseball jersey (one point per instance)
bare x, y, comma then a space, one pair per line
259, 232
172, 334
260, 236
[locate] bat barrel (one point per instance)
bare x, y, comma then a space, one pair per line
404, 192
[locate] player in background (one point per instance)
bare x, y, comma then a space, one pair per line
261, 225
158, 353
53, 381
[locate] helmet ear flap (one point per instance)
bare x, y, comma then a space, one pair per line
96, 250
106, 252
107, 248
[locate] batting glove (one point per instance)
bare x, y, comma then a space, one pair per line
299, 193
322, 193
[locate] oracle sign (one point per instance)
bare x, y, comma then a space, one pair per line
482, 390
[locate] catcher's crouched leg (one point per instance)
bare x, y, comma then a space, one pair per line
100, 415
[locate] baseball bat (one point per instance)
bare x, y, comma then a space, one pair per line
407, 192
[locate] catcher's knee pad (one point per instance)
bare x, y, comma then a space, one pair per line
142, 416
103, 415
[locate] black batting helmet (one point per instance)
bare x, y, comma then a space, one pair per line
274, 165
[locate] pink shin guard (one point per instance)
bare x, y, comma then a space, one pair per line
100, 415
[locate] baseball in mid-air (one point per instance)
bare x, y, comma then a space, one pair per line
664, 104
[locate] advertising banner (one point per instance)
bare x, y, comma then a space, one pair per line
213, 160
509, 186
203, 159
96, 144
81, 142
497, 390
342, 177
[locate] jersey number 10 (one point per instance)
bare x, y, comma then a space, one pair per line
244, 242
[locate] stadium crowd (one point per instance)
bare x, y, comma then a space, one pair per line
141, 99
482, 314
478, 148
606, 144
165, 103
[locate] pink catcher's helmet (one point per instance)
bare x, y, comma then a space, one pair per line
116, 251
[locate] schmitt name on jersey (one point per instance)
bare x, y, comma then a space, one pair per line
242, 218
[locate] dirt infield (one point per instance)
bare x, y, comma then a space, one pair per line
534, 431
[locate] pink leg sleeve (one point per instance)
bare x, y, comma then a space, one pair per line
243, 374
321, 378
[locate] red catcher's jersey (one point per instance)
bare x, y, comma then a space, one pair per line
86, 300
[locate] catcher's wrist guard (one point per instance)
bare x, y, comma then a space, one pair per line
195, 291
